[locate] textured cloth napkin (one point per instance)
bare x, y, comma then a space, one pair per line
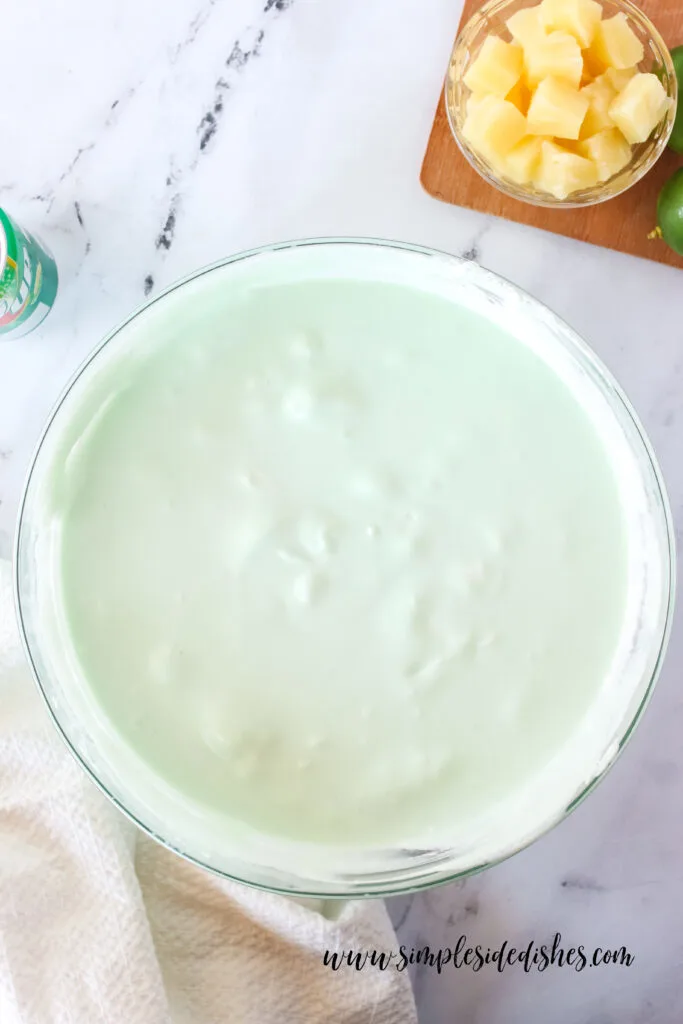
100, 924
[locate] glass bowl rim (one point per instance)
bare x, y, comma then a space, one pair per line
571, 339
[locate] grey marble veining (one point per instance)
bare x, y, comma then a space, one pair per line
153, 139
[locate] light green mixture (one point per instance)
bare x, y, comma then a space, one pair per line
347, 562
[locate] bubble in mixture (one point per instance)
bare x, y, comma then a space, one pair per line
494, 542
303, 346
486, 640
215, 735
297, 404
248, 480
314, 536
159, 664
302, 589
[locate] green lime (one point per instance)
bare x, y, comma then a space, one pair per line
670, 212
676, 140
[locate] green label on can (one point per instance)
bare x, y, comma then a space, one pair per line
28, 278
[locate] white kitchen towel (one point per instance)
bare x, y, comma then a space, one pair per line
100, 925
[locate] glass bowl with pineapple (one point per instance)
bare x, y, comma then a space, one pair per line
561, 103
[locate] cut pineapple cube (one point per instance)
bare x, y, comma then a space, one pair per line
472, 102
640, 107
609, 151
578, 17
620, 77
556, 109
616, 45
521, 163
600, 95
561, 173
525, 27
557, 54
493, 128
520, 95
496, 69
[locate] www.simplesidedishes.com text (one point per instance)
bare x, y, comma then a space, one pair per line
532, 957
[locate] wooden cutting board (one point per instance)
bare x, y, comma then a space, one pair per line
622, 223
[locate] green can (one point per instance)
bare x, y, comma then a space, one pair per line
28, 279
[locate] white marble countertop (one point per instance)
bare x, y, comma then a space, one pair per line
143, 140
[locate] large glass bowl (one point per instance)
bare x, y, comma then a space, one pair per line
490, 20
335, 872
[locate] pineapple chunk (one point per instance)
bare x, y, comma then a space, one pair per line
600, 95
578, 17
520, 95
556, 109
525, 27
609, 151
616, 45
557, 54
472, 102
561, 173
523, 160
640, 107
620, 77
496, 69
493, 128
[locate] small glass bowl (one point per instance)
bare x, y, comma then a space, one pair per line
490, 20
